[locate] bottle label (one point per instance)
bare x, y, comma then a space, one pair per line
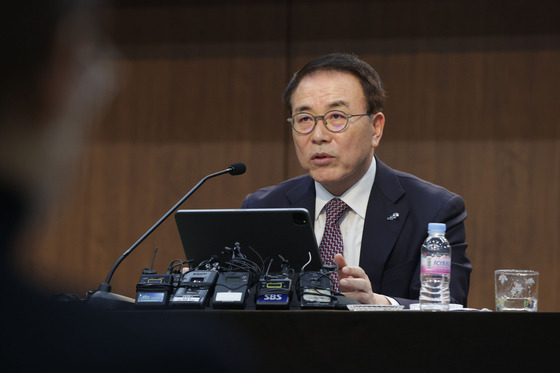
437, 265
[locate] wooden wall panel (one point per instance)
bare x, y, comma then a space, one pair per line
200, 89
472, 88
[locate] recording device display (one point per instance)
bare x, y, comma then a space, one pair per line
231, 290
237, 276
315, 290
274, 290
153, 290
194, 291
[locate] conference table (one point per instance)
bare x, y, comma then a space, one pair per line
42, 337
345, 341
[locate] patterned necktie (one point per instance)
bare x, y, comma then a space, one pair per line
331, 243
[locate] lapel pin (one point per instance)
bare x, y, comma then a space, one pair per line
395, 216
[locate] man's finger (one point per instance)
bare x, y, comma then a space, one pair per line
340, 261
351, 284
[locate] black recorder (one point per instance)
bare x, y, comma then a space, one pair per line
273, 292
153, 290
231, 290
315, 290
195, 289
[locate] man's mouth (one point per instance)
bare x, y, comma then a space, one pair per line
318, 157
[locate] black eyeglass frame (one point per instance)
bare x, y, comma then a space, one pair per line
322, 117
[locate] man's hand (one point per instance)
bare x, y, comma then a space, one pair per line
355, 284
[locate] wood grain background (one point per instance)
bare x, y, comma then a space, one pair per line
473, 106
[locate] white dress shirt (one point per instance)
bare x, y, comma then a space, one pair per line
351, 225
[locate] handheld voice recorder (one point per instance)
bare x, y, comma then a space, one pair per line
273, 292
231, 290
316, 290
195, 289
153, 290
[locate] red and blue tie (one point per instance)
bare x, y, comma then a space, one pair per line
331, 243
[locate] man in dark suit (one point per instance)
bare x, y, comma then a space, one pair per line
386, 212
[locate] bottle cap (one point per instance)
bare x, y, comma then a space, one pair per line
436, 228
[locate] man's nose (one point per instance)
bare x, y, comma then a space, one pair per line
320, 132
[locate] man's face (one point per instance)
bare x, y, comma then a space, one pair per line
335, 160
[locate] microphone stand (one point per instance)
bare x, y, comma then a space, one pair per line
103, 298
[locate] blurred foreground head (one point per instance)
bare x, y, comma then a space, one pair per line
55, 76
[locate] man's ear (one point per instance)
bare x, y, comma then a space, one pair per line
378, 122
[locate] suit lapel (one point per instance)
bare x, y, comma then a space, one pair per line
385, 217
303, 195
380, 233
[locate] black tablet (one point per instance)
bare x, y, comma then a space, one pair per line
262, 235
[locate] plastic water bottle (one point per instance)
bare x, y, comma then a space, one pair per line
435, 270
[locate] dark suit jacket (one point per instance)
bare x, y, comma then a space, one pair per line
390, 253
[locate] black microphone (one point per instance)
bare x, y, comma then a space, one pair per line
237, 169
103, 297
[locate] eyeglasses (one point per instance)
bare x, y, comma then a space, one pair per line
334, 120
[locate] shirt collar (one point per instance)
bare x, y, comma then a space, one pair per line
356, 197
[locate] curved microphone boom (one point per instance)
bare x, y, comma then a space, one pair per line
102, 295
